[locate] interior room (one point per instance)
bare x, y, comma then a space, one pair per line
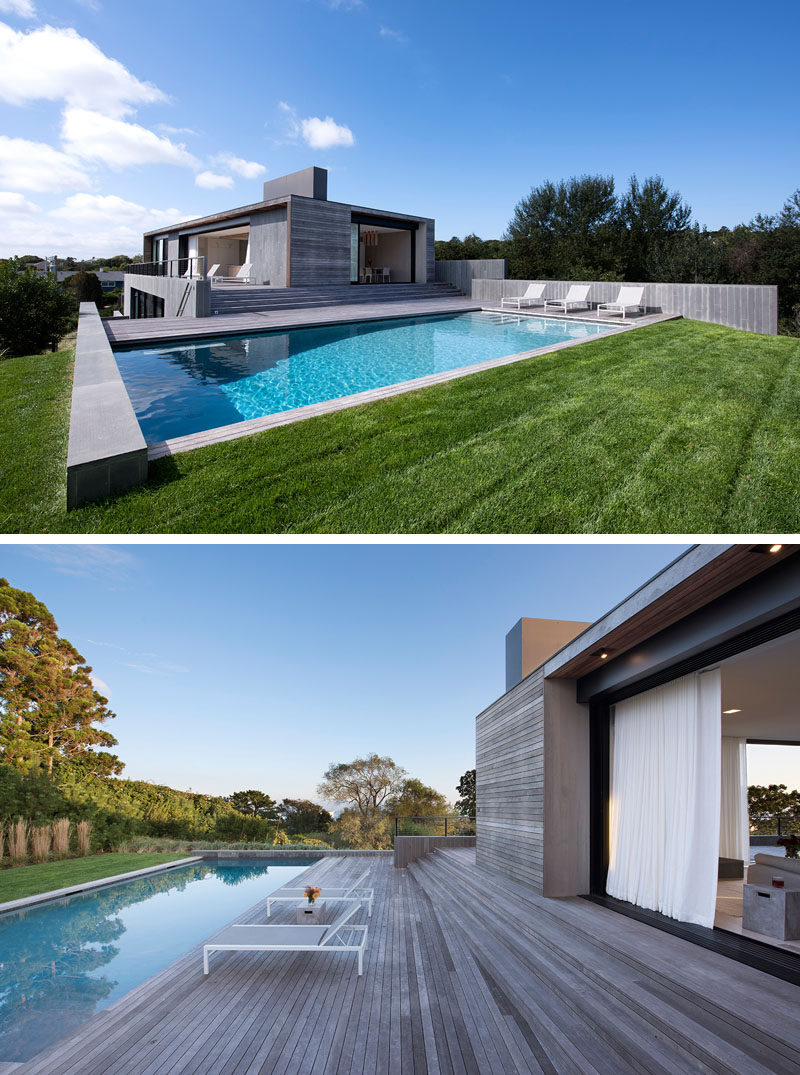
680, 765
384, 255
229, 248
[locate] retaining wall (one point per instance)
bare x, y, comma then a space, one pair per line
409, 848
461, 273
754, 308
107, 452
182, 297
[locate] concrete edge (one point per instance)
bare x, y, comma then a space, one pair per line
288, 854
107, 452
102, 882
192, 441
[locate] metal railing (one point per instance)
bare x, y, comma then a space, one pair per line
455, 822
193, 268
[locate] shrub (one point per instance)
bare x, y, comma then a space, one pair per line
18, 840
85, 287
83, 832
61, 827
35, 311
41, 840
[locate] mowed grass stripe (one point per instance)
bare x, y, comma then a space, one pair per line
678, 427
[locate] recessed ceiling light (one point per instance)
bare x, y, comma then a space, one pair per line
775, 548
727, 711
601, 653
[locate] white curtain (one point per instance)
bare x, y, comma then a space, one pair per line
734, 827
665, 798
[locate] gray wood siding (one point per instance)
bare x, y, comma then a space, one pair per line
510, 783
268, 247
461, 273
430, 252
320, 242
753, 308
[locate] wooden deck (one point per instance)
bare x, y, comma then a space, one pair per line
464, 972
121, 331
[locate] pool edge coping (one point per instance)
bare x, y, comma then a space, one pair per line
222, 434
100, 882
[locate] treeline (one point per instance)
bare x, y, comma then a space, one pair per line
583, 229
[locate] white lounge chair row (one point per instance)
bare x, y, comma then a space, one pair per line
629, 298
302, 938
331, 895
241, 277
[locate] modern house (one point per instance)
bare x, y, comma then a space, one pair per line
296, 237
614, 766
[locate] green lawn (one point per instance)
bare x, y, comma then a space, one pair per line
679, 427
23, 881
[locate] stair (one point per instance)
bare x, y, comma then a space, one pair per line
238, 299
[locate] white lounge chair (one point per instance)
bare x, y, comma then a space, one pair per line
291, 938
212, 271
578, 295
242, 276
629, 298
329, 895
534, 296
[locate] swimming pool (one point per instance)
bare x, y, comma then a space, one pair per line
62, 961
188, 387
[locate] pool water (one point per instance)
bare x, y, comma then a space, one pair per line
182, 388
62, 961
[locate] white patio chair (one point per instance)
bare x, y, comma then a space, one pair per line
242, 276
534, 296
629, 298
329, 895
386, 276
212, 272
578, 295
291, 938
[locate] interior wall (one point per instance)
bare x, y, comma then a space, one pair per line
227, 251
394, 253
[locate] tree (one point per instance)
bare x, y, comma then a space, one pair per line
35, 311
654, 217
255, 804
465, 803
362, 832
415, 799
49, 707
364, 783
302, 816
85, 286
771, 804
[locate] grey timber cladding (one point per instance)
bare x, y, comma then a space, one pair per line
753, 308
509, 759
268, 238
430, 252
320, 242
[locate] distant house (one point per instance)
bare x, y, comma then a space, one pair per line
296, 237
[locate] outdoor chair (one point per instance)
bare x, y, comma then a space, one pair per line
534, 296
330, 895
212, 272
242, 276
578, 295
629, 298
291, 938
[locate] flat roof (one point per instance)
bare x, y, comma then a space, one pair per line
274, 203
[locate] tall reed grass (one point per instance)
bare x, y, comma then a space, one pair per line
41, 841
18, 840
61, 827
83, 832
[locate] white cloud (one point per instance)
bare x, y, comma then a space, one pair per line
239, 166
100, 686
57, 64
395, 35
166, 129
84, 225
16, 204
28, 165
18, 7
212, 181
83, 559
344, 5
324, 133
117, 143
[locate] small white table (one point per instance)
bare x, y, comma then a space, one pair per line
310, 914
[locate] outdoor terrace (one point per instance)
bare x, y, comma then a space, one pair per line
464, 972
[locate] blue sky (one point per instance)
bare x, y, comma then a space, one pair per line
119, 117
237, 666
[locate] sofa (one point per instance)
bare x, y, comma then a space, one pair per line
764, 866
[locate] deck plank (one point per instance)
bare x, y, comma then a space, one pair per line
493, 980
